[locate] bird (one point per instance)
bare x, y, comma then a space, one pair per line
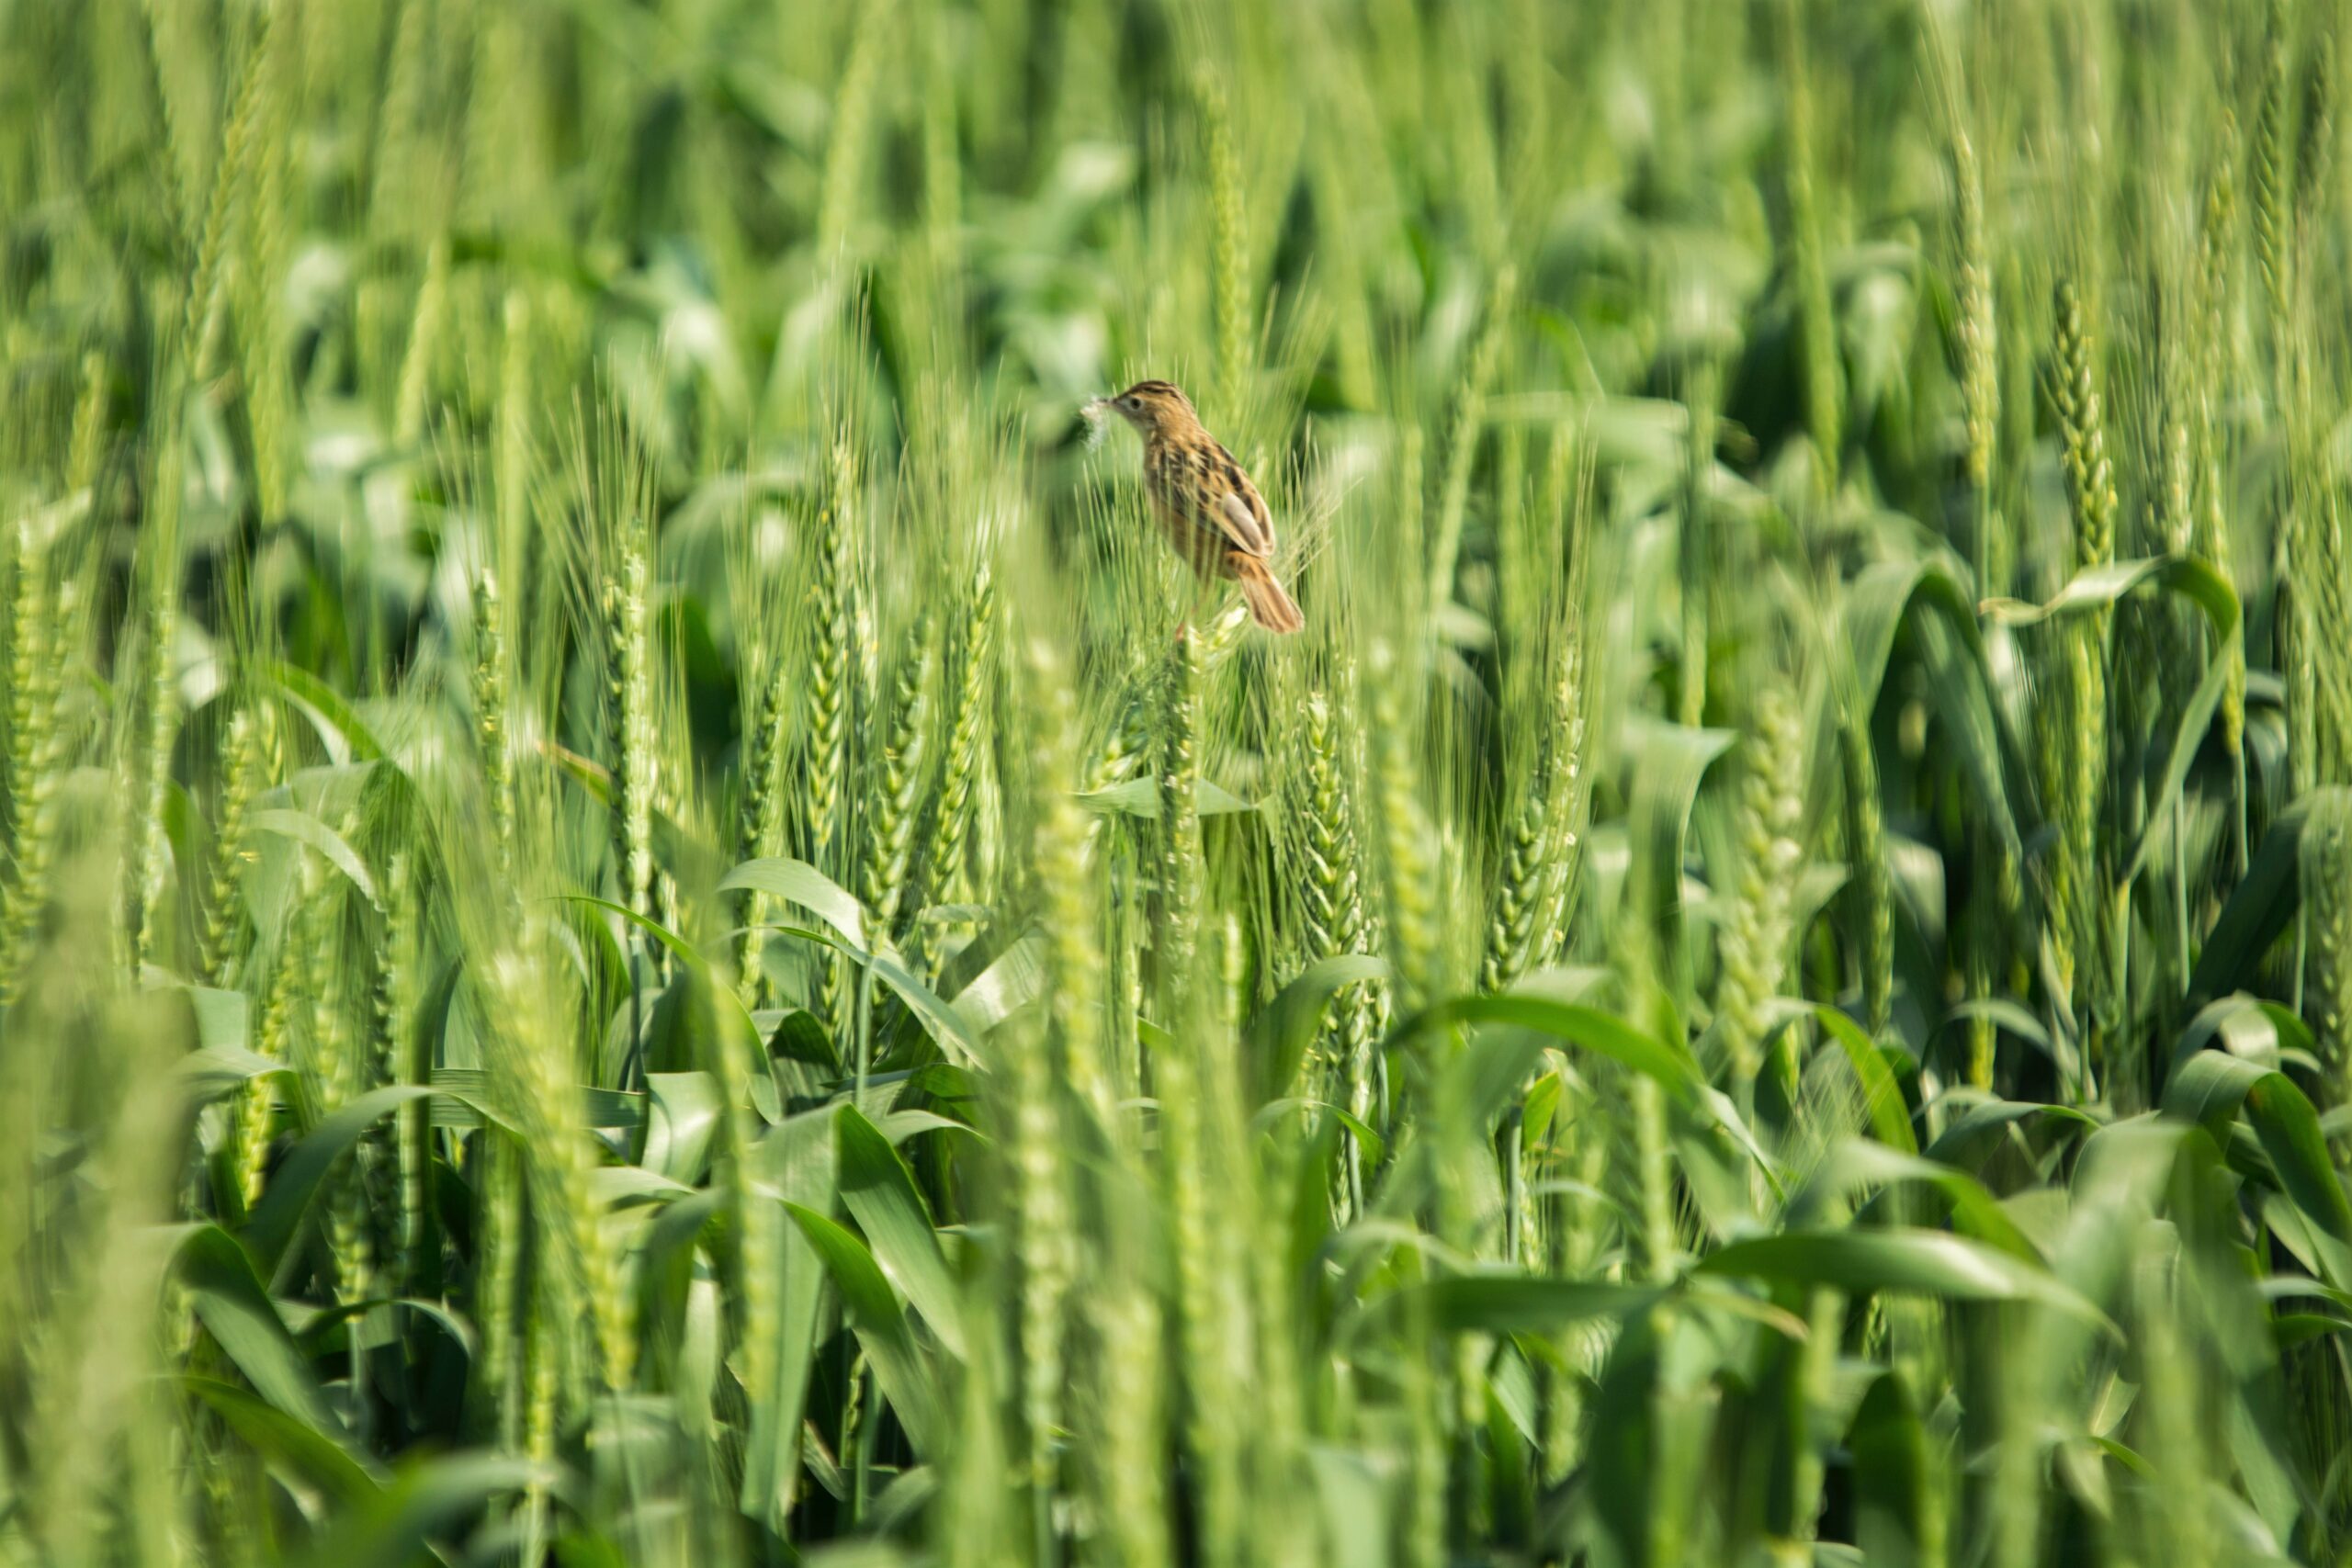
1206, 505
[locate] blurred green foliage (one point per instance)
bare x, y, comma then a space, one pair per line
643, 921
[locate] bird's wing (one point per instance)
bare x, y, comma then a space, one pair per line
1237, 510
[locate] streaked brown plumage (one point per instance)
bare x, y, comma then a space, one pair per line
1212, 513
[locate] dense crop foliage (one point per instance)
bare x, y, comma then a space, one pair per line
643, 921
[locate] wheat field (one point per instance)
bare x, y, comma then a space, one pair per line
643, 920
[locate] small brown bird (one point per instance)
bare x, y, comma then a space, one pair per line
1212, 513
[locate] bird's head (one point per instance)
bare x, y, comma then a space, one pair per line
1151, 406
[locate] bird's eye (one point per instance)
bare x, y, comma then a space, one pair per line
1132, 402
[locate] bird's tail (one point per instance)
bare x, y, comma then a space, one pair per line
1268, 605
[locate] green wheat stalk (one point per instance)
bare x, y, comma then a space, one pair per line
200, 326
397, 169
899, 774
1229, 240
628, 692
825, 694
402, 1053
2315, 153
2273, 178
498, 1269
2216, 241
159, 576
1697, 553
268, 221
35, 750
846, 148
1176, 842
1336, 920
2090, 490
1755, 941
1129, 1329
1873, 893
1824, 371
526, 1055
1074, 961
427, 337
1977, 333
1411, 874
494, 728
248, 765
1462, 447
946, 871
